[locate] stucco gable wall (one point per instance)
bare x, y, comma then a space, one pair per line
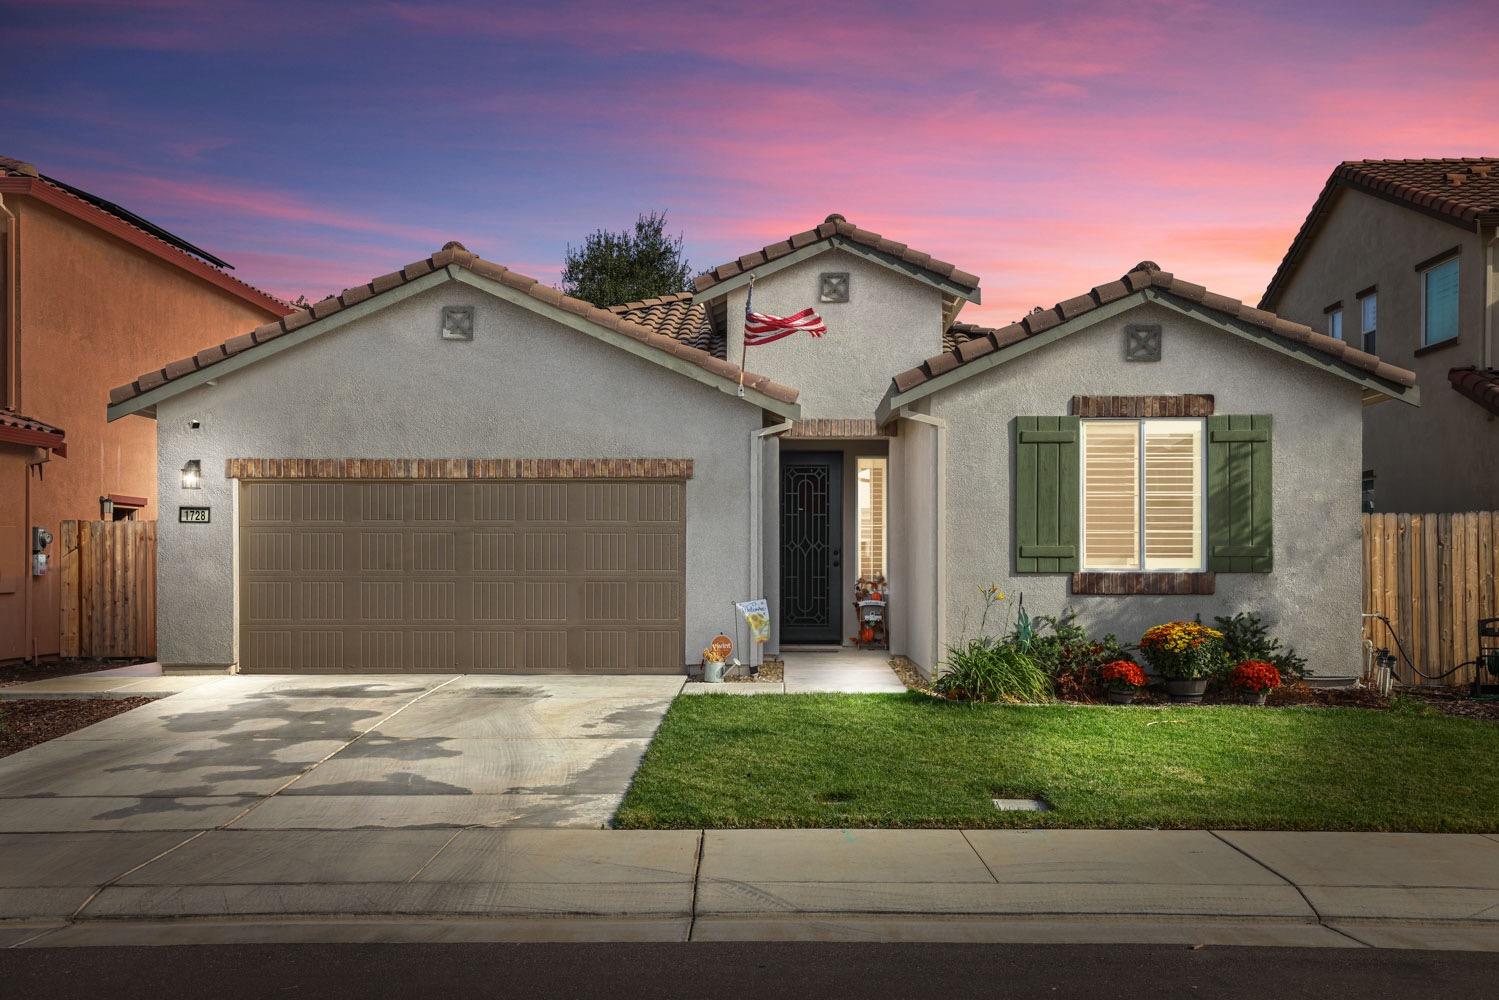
1312, 599
387, 386
889, 324
1445, 455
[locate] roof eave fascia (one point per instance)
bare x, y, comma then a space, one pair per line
912, 271
145, 403
1405, 393
118, 228
1324, 207
896, 400
788, 411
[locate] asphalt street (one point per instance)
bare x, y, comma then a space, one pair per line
731, 971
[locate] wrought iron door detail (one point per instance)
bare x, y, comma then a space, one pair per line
811, 546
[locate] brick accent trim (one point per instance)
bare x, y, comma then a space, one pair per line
1127, 584
1190, 405
835, 427
458, 468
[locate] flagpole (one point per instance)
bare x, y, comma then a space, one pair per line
743, 339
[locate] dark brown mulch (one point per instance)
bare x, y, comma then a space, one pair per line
25, 722
1454, 701
20, 673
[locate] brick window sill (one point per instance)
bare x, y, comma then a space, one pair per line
1129, 584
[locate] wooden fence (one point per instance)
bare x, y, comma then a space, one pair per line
108, 581
1433, 576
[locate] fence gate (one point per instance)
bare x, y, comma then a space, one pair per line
107, 573
1433, 576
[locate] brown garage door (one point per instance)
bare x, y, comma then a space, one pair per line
574, 576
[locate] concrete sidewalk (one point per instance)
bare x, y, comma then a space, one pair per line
1022, 886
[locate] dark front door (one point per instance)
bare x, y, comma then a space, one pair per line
812, 546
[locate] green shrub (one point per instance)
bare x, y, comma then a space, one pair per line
990, 669
1245, 637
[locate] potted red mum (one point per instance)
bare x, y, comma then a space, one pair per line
1123, 679
1255, 678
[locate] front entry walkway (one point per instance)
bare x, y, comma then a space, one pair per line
416, 751
840, 670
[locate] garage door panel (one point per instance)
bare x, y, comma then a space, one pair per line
462, 576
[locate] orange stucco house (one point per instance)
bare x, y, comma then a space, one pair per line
90, 294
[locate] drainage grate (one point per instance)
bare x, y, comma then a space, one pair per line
1022, 805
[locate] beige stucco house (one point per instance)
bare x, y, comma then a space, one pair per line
455, 468
1400, 257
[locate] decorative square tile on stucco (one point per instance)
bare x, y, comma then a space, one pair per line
832, 286
1142, 342
457, 322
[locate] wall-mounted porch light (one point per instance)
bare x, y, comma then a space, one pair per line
192, 475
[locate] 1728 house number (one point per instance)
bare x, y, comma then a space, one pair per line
192, 515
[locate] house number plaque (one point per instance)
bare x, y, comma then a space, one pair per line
192, 515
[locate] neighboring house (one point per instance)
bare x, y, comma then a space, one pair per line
1399, 257
454, 468
89, 294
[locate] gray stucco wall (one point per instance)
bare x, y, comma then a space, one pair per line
1312, 599
1443, 456
890, 323
386, 386
914, 494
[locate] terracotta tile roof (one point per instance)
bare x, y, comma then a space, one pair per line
452, 254
171, 245
835, 225
1461, 190
676, 317
16, 428
1482, 387
961, 333
982, 341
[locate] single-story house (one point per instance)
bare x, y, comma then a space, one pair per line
456, 468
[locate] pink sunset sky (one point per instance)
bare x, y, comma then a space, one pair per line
1046, 147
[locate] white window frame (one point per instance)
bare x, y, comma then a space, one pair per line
1142, 564
1365, 328
884, 462
1456, 261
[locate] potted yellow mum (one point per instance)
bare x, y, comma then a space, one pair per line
1185, 654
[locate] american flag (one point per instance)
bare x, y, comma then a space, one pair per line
763, 328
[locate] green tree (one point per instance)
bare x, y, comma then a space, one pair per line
612, 268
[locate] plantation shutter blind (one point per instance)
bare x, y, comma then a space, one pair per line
1046, 494
1173, 494
1240, 536
1111, 498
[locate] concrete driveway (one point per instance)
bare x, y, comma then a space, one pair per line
346, 753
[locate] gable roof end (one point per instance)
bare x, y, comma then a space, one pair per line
1461, 190
23, 178
452, 255
1146, 280
836, 225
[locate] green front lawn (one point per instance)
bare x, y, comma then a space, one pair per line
909, 760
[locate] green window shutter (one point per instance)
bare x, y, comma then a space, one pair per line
1046, 494
1240, 536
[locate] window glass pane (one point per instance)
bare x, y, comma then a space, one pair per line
871, 517
1439, 301
1111, 501
1368, 309
1335, 324
1173, 494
